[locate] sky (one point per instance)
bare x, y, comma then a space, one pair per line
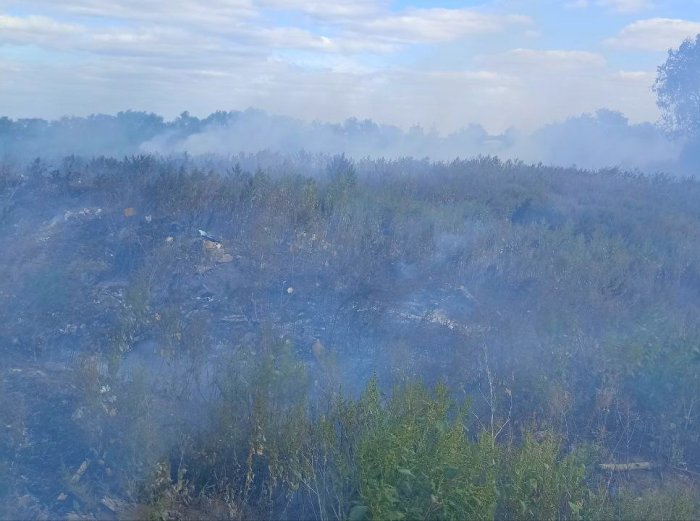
440, 64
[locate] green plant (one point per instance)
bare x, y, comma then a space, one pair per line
676, 502
540, 485
416, 461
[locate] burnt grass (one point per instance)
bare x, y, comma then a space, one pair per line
571, 296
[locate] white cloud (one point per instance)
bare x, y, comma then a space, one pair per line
538, 62
438, 25
635, 76
163, 10
552, 85
618, 6
334, 10
577, 4
175, 41
655, 34
300, 39
627, 6
210, 15
179, 27
33, 29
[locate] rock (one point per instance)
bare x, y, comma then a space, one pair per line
225, 258
215, 251
129, 212
211, 245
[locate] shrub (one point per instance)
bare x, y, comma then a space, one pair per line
416, 462
539, 485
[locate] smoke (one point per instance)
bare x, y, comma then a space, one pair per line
253, 131
605, 139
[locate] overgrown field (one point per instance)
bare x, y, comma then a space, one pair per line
306, 337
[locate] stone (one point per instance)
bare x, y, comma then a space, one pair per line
211, 245
225, 258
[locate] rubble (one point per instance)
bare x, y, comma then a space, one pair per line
79, 473
225, 258
215, 252
115, 505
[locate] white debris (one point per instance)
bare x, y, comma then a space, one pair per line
79, 473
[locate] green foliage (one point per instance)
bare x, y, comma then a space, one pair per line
667, 503
417, 463
408, 458
343, 182
541, 485
678, 88
260, 429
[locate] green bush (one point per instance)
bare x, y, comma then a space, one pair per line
416, 461
539, 485
669, 503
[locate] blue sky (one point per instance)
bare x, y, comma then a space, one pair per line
440, 64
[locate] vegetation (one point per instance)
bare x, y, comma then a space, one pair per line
677, 87
324, 339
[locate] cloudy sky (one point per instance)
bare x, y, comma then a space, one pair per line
439, 63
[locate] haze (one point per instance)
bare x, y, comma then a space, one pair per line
440, 65
349, 260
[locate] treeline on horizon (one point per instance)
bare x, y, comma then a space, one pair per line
605, 139
489, 333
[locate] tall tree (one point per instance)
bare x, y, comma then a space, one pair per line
677, 88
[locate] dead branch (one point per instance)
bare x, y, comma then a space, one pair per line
625, 467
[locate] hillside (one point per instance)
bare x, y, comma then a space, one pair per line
303, 336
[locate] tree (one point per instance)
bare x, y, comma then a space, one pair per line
677, 88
